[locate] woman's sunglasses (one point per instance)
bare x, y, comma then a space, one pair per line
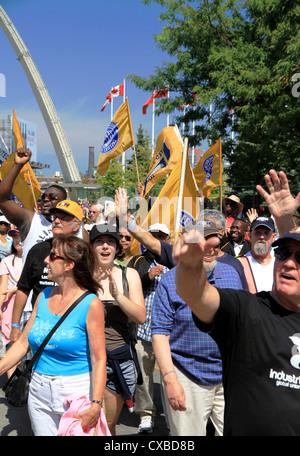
127, 238
283, 253
54, 257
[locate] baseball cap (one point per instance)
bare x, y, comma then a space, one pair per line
205, 227
291, 234
13, 233
159, 227
104, 228
263, 221
70, 207
4, 219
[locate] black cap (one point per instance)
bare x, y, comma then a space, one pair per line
263, 221
104, 228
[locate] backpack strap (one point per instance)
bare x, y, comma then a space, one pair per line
125, 281
249, 274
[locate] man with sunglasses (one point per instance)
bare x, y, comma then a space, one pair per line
33, 227
257, 334
66, 218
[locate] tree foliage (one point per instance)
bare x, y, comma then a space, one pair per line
240, 56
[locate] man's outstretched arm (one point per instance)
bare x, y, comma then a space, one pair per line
16, 214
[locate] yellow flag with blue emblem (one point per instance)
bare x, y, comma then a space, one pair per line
165, 207
118, 138
167, 152
26, 190
208, 171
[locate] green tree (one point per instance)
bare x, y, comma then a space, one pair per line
240, 57
112, 179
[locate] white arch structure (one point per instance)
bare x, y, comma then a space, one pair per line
62, 148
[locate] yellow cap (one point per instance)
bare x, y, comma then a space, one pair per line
70, 207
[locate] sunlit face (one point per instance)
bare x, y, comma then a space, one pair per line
4, 227
63, 223
261, 240
231, 207
17, 243
55, 264
125, 239
105, 247
50, 198
94, 213
287, 278
210, 258
238, 230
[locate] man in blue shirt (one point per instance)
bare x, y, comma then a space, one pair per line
189, 359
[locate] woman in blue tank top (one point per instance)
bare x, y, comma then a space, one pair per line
74, 360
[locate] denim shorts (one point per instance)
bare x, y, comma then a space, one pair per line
130, 376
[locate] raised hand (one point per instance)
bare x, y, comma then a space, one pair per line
22, 156
282, 205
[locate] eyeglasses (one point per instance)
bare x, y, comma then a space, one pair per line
127, 238
50, 196
54, 257
4, 223
62, 217
283, 253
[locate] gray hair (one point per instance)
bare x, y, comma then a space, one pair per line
216, 216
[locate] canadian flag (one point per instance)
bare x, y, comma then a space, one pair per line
157, 94
115, 92
108, 100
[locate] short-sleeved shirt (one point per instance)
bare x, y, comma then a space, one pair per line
194, 353
259, 343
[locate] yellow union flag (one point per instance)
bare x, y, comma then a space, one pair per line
118, 138
167, 152
166, 205
26, 187
208, 171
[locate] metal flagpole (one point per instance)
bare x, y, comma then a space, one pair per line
123, 155
153, 115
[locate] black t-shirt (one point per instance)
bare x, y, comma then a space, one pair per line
34, 273
259, 341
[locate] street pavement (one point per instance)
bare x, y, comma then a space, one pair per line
15, 421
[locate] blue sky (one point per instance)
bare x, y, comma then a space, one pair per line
81, 49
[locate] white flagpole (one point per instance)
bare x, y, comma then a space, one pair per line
210, 112
181, 187
123, 155
193, 148
168, 115
183, 123
111, 107
153, 115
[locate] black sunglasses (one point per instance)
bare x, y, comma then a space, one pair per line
63, 217
54, 257
128, 238
50, 196
283, 253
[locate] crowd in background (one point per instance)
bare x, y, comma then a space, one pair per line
135, 316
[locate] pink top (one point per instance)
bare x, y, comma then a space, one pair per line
13, 271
